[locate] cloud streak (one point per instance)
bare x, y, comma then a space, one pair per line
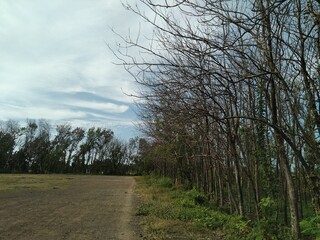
54, 62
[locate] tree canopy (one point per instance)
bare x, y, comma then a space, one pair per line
38, 148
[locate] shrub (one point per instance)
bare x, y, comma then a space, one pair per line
311, 227
197, 197
165, 182
269, 227
144, 209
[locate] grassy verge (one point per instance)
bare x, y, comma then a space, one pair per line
9, 182
170, 213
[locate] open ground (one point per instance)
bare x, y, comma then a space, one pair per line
67, 207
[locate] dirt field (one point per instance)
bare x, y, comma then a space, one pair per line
88, 207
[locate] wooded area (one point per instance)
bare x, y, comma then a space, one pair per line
230, 95
35, 148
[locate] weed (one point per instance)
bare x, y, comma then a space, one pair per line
197, 197
172, 212
144, 209
268, 227
311, 227
165, 182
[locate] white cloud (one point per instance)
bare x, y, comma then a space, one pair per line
60, 46
16, 112
107, 107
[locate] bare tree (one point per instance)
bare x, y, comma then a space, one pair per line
239, 69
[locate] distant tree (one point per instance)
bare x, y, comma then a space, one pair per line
28, 136
133, 155
104, 137
58, 161
41, 148
116, 158
9, 133
33, 149
77, 136
7, 144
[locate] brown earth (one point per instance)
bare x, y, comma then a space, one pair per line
90, 207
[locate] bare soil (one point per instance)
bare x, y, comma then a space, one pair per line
89, 207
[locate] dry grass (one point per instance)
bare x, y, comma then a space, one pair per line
9, 182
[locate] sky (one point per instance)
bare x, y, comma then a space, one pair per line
55, 63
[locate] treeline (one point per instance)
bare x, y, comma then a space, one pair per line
230, 95
38, 148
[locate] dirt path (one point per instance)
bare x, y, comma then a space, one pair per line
91, 207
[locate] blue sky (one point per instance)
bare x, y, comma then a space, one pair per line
55, 63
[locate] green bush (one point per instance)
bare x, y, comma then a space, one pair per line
311, 227
212, 219
165, 182
144, 209
197, 197
269, 227
192, 209
237, 226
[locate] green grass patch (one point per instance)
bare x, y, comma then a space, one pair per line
173, 213
9, 182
